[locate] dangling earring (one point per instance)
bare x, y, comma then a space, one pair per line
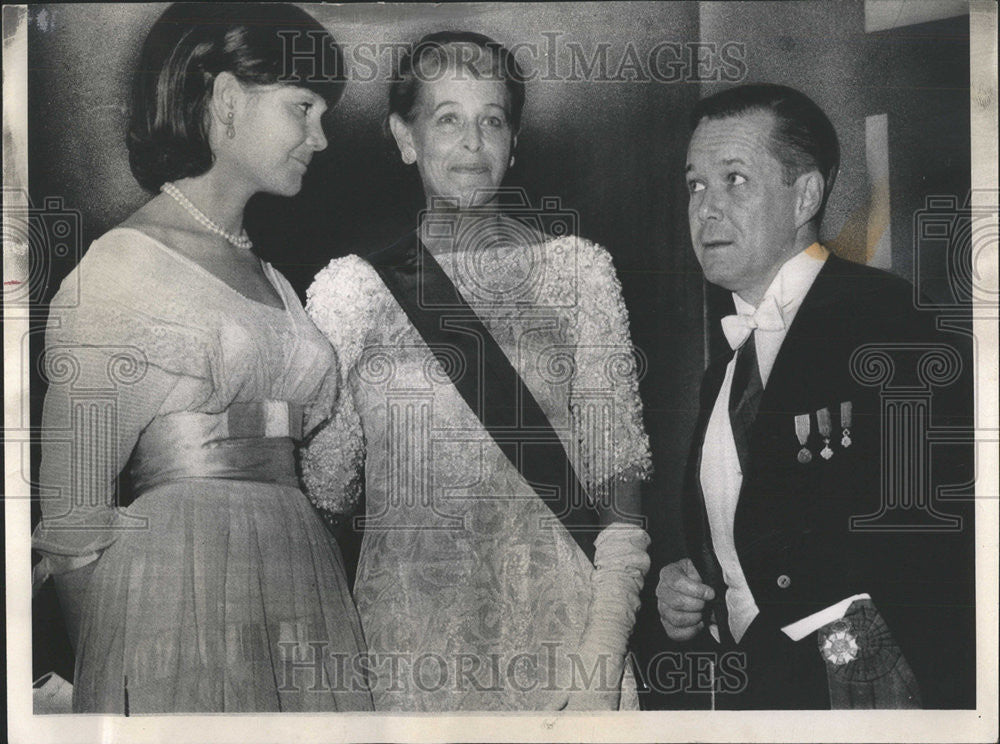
230, 129
511, 162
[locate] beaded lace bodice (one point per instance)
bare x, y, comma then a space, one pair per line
459, 554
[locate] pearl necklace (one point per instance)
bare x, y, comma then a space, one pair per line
241, 241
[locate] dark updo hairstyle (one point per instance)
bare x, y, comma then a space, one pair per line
188, 46
479, 55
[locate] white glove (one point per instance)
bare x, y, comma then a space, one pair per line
620, 566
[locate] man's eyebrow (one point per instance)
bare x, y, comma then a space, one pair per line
727, 161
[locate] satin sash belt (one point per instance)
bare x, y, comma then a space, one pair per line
248, 441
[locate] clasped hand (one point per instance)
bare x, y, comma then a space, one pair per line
681, 598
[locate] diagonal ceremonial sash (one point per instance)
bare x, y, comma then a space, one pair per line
487, 382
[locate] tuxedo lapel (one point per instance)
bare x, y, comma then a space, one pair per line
796, 385
800, 367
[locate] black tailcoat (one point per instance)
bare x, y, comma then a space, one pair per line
792, 527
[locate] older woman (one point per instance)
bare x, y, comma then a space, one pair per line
489, 375
192, 361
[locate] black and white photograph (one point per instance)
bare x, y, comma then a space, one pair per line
572, 371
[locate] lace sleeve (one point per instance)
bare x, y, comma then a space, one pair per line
605, 409
333, 460
341, 301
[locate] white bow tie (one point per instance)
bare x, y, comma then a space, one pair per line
767, 317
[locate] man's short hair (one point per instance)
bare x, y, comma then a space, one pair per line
803, 138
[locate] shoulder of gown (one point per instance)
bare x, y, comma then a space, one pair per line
117, 299
584, 272
345, 301
589, 260
608, 364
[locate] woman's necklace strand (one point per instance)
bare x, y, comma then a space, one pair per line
241, 241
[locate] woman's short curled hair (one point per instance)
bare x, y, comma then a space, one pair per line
192, 43
479, 55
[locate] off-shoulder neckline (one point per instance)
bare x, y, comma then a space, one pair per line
195, 266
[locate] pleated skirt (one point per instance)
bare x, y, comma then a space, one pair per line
220, 596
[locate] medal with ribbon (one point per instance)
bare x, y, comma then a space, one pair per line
824, 424
845, 424
865, 667
802, 427
838, 643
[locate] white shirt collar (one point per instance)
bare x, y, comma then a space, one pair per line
792, 282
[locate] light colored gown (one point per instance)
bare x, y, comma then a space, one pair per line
467, 585
208, 590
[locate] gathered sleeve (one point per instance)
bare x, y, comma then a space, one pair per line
341, 302
110, 366
605, 409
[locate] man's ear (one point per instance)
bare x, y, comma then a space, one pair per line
404, 138
808, 196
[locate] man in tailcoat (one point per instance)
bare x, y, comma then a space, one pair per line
807, 566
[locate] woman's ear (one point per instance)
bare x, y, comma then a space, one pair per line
227, 92
404, 138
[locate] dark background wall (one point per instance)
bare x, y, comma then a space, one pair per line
917, 75
612, 151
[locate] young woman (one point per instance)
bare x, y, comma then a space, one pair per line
191, 362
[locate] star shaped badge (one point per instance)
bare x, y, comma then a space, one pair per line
840, 647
